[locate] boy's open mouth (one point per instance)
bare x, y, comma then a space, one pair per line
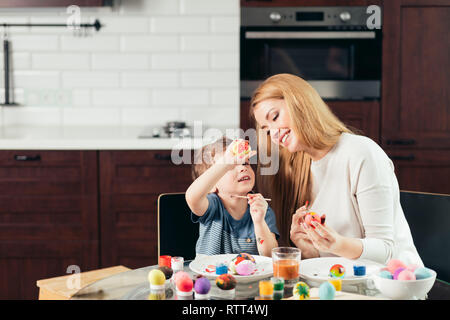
244, 178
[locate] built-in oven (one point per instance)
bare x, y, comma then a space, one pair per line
330, 47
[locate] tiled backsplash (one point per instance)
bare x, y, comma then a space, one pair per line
153, 61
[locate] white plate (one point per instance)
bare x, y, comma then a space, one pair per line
318, 269
263, 265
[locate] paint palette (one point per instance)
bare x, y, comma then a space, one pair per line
205, 265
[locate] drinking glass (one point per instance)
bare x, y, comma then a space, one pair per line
286, 264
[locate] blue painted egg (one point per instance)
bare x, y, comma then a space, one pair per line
326, 291
422, 273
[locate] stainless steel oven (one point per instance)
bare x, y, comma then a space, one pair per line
331, 47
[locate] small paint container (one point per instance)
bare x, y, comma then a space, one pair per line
221, 268
177, 264
266, 290
337, 283
359, 270
165, 261
278, 288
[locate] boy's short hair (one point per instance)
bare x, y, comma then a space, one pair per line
204, 157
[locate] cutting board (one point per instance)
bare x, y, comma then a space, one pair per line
340, 295
58, 289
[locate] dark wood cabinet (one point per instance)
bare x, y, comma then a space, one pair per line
363, 116
48, 217
130, 183
415, 126
422, 170
415, 85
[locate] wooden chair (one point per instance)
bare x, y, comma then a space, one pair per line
428, 216
177, 234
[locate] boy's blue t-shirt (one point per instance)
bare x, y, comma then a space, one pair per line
220, 233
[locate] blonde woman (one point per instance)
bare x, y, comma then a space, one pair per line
345, 176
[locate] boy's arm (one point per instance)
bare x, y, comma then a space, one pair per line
265, 239
199, 189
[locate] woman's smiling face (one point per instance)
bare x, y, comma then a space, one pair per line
272, 116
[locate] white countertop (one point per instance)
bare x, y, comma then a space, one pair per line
88, 138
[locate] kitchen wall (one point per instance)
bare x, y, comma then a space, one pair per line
153, 61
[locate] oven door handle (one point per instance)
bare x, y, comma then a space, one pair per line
310, 35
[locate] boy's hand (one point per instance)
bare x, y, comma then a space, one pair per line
258, 207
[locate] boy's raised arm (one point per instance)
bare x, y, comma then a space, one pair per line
199, 189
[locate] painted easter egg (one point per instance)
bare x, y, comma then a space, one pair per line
385, 274
422, 273
310, 217
184, 284
241, 148
337, 271
406, 275
202, 286
244, 256
238, 259
245, 268
156, 277
301, 291
226, 282
394, 264
168, 272
327, 291
397, 272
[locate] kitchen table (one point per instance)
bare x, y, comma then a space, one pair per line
133, 285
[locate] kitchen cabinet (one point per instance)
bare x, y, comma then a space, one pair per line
130, 182
416, 60
90, 209
363, 116
307, 3
415, 126
422, 170
48, 217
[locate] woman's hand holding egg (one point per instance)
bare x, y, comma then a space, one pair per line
299, 236
323, 237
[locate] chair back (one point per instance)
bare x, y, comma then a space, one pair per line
177, 234
428, 216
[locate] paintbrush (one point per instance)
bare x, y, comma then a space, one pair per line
246, 197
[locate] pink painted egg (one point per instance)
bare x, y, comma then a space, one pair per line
394, 264
406, 275
245, 268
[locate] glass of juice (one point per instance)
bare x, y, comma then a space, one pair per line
286, 264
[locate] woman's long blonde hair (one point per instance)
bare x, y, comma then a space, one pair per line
315, 126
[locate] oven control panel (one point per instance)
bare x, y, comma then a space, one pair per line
304, 16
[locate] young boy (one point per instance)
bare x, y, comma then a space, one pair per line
229, 224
